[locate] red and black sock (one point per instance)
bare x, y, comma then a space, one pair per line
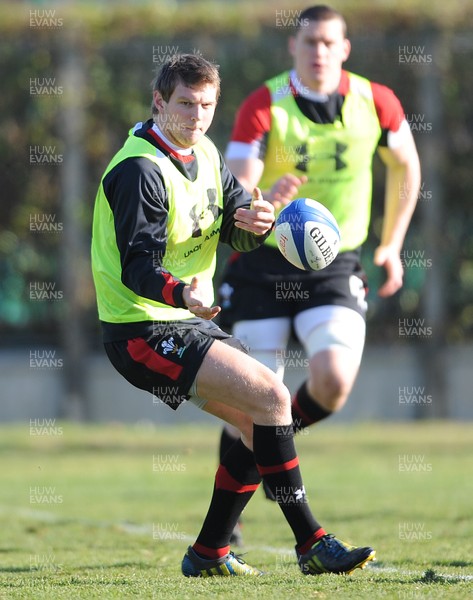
278, 464
236, 480
306, 410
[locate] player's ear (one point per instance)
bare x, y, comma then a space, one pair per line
158, 100
346, 49
291, 45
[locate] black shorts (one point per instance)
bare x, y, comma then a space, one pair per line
166, 358
253, 287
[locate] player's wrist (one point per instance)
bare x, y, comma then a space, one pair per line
184, 295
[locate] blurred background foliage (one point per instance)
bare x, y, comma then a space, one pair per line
120, 45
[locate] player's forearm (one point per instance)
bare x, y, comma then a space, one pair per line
402, 190
247, 171
145, 276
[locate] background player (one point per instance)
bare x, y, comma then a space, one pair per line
312, 132
164, 202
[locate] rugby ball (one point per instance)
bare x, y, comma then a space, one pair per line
307, 234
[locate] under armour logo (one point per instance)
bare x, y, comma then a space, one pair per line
339, 150
197, 215
303, 158
213, 206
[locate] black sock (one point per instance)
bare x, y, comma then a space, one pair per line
236, 480
306, 410
226, 442
278, 464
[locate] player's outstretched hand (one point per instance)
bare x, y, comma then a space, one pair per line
192, 296
259, 218
391, 261
285, 189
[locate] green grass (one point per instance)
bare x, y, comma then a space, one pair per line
108, 511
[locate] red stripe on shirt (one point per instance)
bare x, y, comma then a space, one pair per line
287, 466
224, 481
168, 289
185, 158
141, 353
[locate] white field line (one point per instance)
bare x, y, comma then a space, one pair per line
286, 555
374, 567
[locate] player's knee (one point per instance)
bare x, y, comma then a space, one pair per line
273, 401
330, 390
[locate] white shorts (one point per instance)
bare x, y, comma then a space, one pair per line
317, 329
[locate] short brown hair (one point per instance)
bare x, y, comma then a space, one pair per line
188, 69
321, 12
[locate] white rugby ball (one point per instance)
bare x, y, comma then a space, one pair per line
307, 234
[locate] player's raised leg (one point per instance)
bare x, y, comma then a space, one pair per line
256, 391
266, 339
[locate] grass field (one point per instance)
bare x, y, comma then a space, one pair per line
108, 511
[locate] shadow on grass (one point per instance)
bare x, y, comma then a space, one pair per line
452, 563
429, 577
119, 565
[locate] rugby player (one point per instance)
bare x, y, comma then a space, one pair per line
313, 132
163, 203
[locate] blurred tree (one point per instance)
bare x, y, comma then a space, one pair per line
45, 146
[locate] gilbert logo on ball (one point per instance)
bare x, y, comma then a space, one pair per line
307, 234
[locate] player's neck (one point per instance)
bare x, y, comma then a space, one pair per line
183, 151
315, 90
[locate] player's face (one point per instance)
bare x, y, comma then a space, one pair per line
319, 49
185, 118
